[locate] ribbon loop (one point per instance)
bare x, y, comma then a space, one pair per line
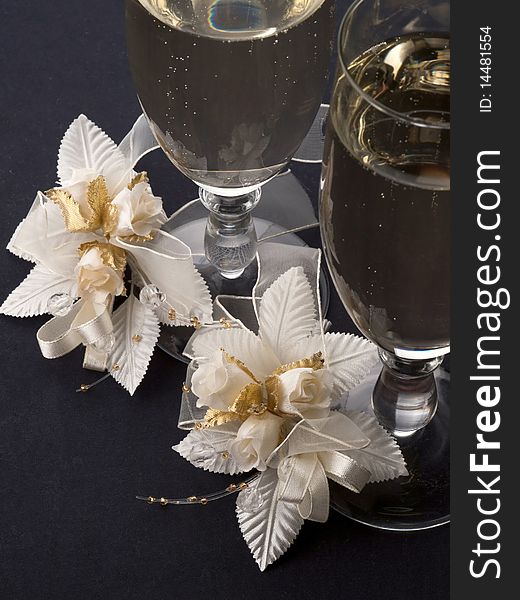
315, 505
295, 473
344, 470
86, 323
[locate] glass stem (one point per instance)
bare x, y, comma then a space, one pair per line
230, 238
405, 395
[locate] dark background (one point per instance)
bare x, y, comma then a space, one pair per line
71, 464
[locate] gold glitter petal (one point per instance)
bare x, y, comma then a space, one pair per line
250, 401
138, 239
102, 214
112, 256
98, 200
139, 178
109, 219
273, 393
314, 362
214, 417
74, 220
235, 361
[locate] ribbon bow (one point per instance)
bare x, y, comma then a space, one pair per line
86, 323
314, 452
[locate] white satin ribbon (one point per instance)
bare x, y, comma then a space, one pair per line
303, 474
86, 323
167, 262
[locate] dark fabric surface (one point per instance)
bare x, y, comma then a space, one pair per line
71, 464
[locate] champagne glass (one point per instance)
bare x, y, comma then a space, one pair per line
385, 221
230, 88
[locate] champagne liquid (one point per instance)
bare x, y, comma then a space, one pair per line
385, 206
230, 87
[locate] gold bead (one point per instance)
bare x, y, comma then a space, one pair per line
185, 388
115, 367
195, 322
150, 500
172, 315
137, 338
225, 455
192, 499
84, 387
231, 487
243, 486
225, 323
163, 502
199, 425
204, 501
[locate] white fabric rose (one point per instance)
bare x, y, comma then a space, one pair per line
95, 279
305, 393
217, 382
139, 211
257, 437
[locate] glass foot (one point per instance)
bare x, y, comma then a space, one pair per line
422, 499
173, 339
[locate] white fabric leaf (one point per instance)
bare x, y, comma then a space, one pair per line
133, 319
86, 146
42, 238
382, 457
270, 530
167, 263
11, 246
241, 343
287, 313
208, 448
138, 142
30, 297
349, 358
308, 346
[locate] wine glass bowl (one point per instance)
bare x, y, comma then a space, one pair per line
230, 89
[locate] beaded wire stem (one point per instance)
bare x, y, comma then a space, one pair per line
232, 488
